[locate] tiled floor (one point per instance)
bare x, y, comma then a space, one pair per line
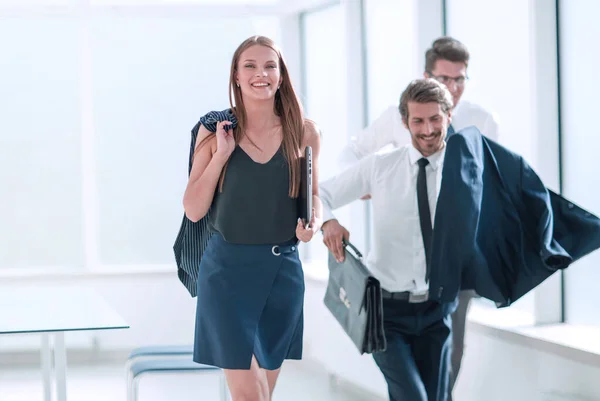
299, 381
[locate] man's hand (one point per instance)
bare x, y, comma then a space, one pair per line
366, 197
333, 233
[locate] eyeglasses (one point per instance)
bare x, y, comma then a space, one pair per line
446, 80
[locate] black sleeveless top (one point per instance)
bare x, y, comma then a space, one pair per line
254, 207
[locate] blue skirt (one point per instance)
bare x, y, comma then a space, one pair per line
250, 302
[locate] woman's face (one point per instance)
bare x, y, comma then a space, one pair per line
258, 73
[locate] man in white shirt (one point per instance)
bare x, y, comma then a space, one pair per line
404, 184
446, 61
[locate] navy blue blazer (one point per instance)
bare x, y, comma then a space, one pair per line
498, 230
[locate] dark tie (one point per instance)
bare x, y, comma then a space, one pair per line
424, 213
450, 131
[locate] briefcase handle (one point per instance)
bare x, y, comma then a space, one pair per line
356, 251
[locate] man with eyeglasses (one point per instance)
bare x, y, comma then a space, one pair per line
446, 61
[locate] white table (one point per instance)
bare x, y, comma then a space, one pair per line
51, 311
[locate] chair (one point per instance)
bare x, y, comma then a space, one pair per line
141, 367
154, 352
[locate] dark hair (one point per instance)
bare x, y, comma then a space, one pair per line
425, 91
446, 48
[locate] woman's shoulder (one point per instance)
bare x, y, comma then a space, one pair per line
312, 132
312, 135
311, 127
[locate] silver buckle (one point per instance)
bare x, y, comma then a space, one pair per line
418, 298
275, 250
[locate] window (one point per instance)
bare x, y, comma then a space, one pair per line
325, 93
391, 31
96, 119
191, 2
581, 182
40, 130
152, 79
511, 74
21, 3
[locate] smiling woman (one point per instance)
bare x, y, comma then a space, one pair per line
258, 74
250, 284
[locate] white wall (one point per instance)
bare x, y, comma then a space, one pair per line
501, 367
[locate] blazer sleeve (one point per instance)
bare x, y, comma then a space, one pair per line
538, 219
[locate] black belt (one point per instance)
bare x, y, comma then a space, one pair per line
405, 296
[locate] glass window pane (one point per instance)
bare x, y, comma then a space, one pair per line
325, 93
152, 79
179, 2
503, 88
325, 46
35, 2
581, 182
391, 41
40, 166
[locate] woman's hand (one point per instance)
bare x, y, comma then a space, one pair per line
306, 233
225, 141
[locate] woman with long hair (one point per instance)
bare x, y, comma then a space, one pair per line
250, 285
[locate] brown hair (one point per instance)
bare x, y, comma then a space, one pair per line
446, 48
287, 108
425, 91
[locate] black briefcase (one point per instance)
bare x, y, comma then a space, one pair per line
354, 298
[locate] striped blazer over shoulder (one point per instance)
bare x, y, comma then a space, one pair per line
192, 238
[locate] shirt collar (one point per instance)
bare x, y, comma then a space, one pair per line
435, 160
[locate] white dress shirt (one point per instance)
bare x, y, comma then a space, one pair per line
397, 257
389, 129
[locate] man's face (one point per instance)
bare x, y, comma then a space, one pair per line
428, 126
452, 74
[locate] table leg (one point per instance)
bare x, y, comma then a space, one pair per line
46, 359
60, 366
